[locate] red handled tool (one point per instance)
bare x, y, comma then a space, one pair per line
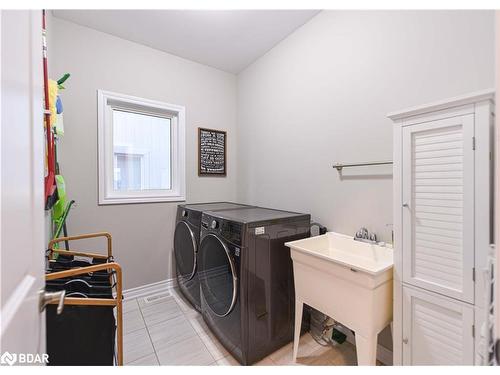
50, 184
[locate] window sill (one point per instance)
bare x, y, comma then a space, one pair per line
135, 200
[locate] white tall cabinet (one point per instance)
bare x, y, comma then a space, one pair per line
443, 175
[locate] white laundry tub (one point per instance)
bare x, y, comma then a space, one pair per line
348, 280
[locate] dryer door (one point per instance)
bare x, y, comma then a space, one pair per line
185, 250
217, 274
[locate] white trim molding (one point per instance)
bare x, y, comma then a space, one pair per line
446, 104
149, 289
107, 103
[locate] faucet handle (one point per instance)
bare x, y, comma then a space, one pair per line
373, 237
360, 233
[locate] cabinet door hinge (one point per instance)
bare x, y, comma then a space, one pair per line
473, 143
473, 330
473, 273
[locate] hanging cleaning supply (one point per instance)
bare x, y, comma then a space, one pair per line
53, 91
59, 124
59, 206
59, 106
61, 80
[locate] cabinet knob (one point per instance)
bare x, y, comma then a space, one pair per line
405, 204
405, 341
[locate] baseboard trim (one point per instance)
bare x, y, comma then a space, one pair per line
144, 290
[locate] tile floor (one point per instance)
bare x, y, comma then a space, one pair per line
168, 331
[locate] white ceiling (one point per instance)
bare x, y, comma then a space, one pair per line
229, 40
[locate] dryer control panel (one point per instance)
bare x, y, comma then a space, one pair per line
226, 229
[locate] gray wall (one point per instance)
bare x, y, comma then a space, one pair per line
322, 95
142, 233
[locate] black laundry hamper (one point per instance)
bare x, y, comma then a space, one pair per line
89, 329
82, 334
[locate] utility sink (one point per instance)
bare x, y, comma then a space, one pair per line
348, 280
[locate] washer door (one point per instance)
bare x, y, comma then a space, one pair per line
217, 274
185, 250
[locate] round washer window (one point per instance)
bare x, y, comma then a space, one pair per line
217, 275
185, 250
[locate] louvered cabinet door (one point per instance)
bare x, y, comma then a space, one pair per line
438, 206
436, 330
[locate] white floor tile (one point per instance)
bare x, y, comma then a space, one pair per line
181, 301
228, 361
132, 321
284, 356
192, 313
168, 333
149, 360
214, 346
158, 312
177, 335
309, 351
199, 324
187, 352
136, 345
130, 305
265, 362
328, 357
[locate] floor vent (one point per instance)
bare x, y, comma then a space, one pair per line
156, 297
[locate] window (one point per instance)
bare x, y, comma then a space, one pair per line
141, 150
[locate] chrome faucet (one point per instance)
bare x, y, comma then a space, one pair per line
365, 236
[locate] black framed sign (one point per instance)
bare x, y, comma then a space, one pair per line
211, 152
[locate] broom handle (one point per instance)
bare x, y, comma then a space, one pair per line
50, 137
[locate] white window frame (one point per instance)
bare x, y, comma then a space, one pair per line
107, 102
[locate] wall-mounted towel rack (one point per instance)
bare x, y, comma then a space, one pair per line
340, 166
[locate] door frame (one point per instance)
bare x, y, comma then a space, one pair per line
20, 307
